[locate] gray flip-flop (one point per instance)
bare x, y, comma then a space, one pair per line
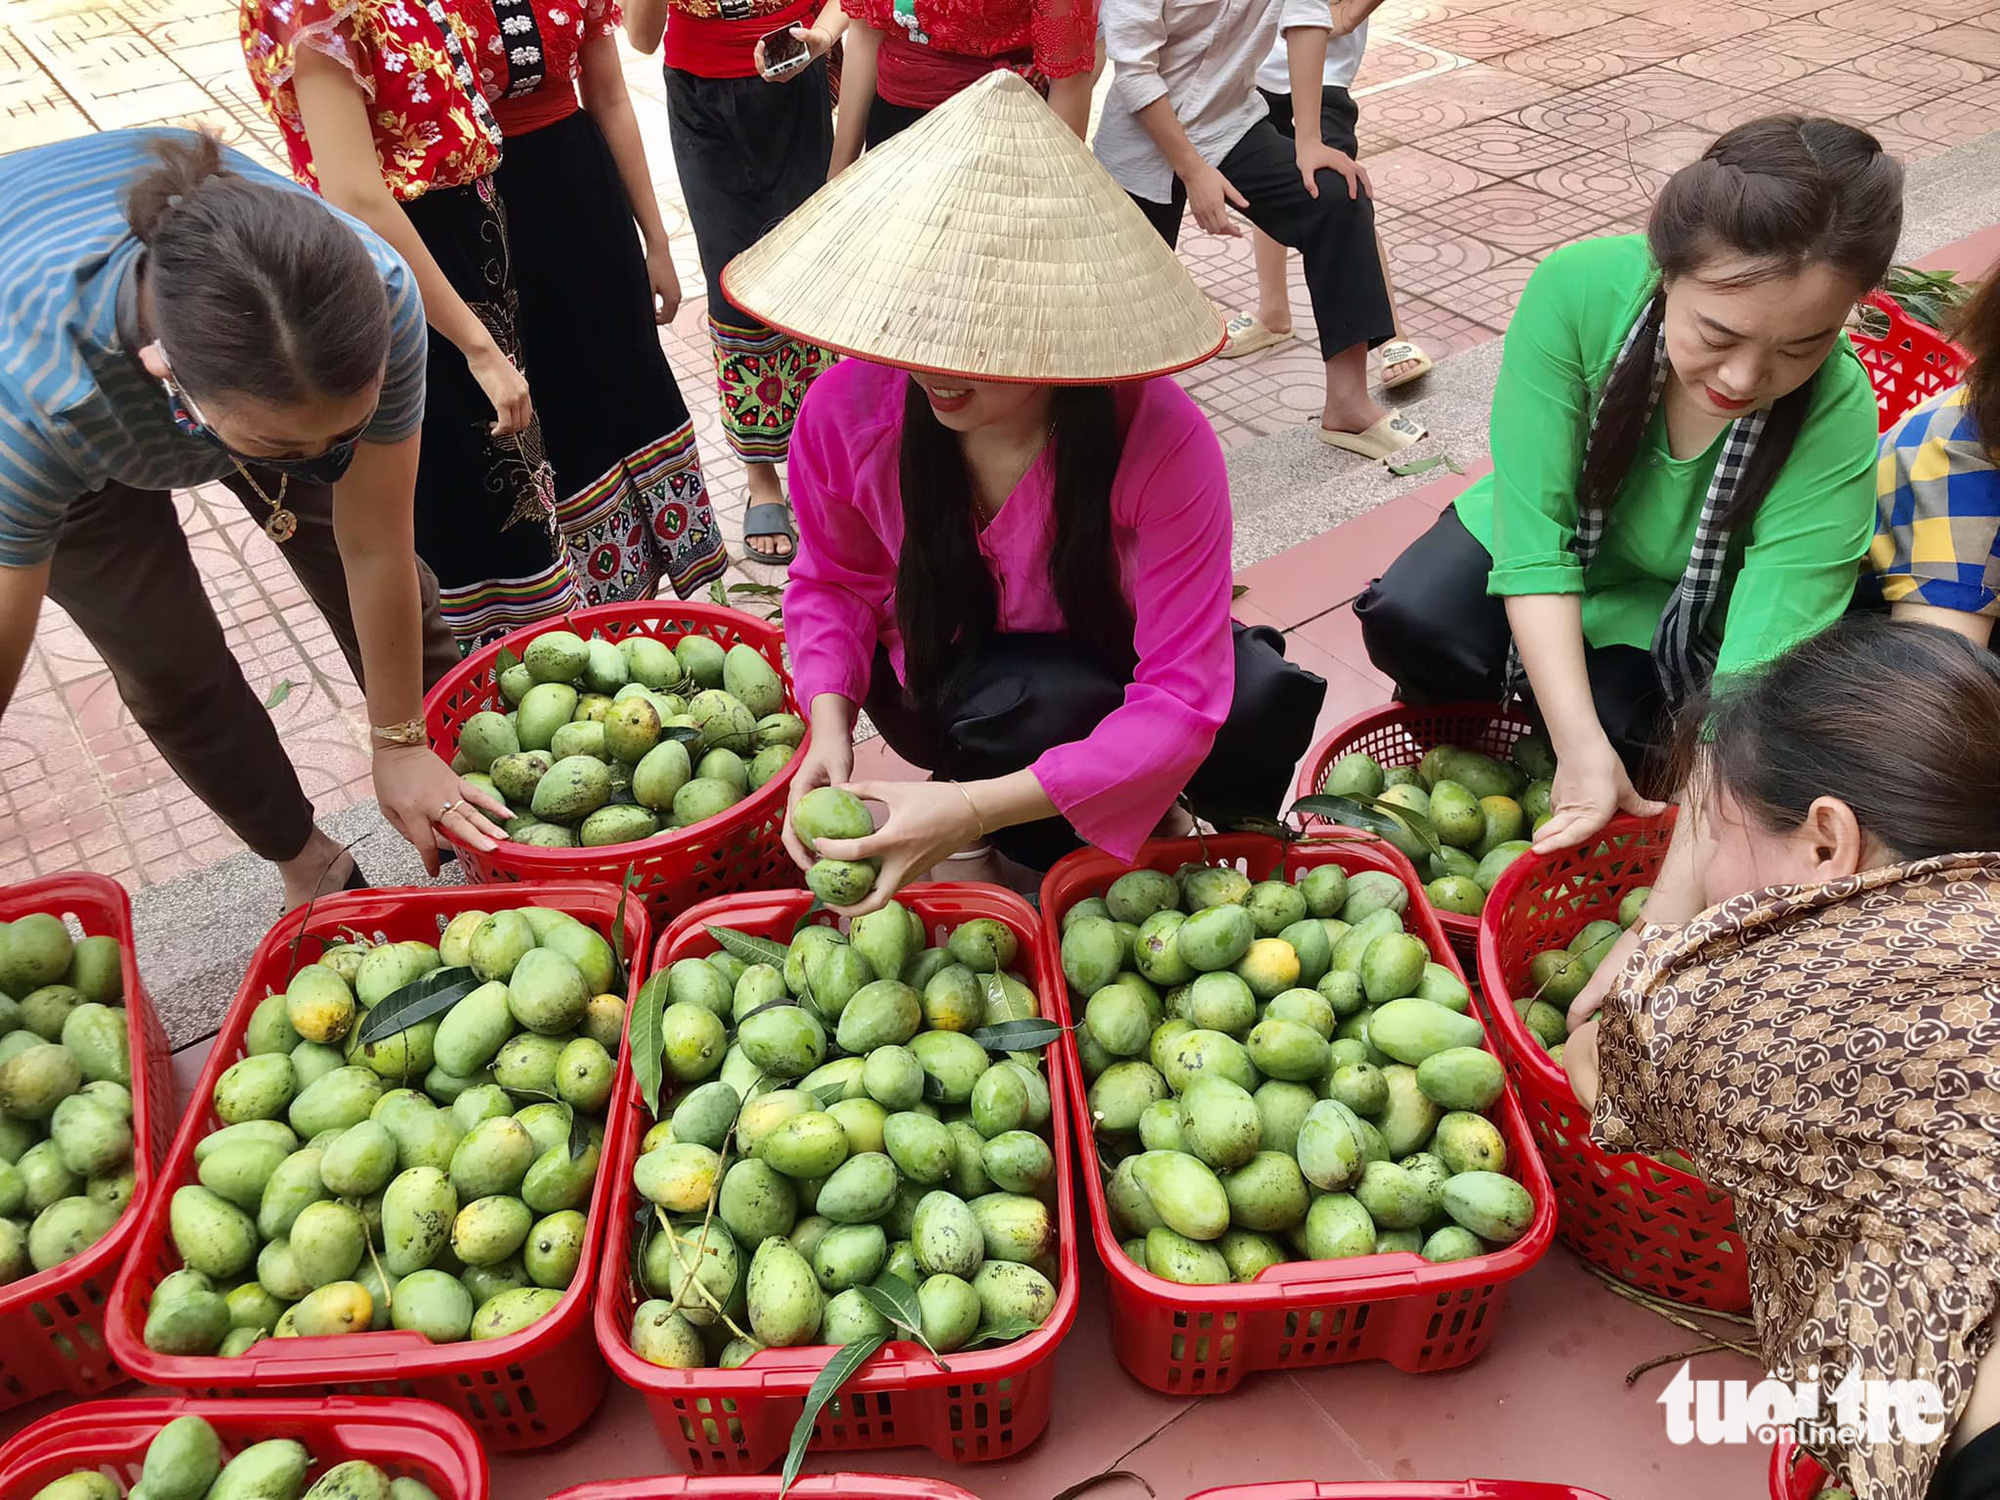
770, 518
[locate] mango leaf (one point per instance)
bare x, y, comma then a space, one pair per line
827, 1093
1270, 828
1017, 1036
933, 1088
579, 1133
844, 1363
618, 977
895, 1299
1425, 465
1106, 1162
718, 594
280, 693
1003, 1332
759, 590
419, 1000
1372, 814
817, 906
757, 1010
752, 950
687, 734
646, 1040
1238, 590
504, 661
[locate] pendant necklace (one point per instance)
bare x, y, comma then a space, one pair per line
281, 524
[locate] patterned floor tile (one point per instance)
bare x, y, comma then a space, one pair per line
1746, 64
1517, 217
1967, 41
1503, 147
1414, 177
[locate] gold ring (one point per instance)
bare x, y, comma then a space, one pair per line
446, 811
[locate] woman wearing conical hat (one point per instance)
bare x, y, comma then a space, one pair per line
1014, 532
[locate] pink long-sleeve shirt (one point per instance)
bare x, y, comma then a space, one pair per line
1171, 530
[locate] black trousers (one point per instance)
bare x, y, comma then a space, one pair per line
1022, 694
1432, 628
886, 120
1334, 235
1338, 117
1973, 1473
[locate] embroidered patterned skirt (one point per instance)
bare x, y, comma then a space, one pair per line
485, 507
630, 499
748, 153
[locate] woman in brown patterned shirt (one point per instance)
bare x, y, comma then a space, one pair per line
1810, 1011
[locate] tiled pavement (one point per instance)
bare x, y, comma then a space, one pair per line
1493, 129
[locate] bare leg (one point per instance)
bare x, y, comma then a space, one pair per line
1389, 372
1274, 296
319, 869
1349, 407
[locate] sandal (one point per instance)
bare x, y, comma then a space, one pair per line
770, 518
1248, 335
1384, 440
1403, 352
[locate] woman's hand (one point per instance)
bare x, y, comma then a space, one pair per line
818, 44
505, 386
828, 761
1315, 157
1209, 195
665, 282
1580, 1062
414, 788
1589, 791
927, 822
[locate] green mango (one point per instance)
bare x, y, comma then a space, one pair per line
860, 1190
1183, 1193
182, 1461
1461, 1078
275, 1469
783, 1296
1466, 1142
211, 1234
1174, 1257
1267, 1193
1496, 1208
757, 1202
1215, 938
512, 1311
1410, 1030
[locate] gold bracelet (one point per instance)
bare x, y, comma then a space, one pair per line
978, 821
409, 732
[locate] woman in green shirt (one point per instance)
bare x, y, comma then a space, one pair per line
1683, 463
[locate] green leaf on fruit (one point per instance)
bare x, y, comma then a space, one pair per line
280, 693
848, 1359
1372, 814
687, 734
504, 661
618, 974
419, 1000
1027, 1035
751, 950
1004, 1332
579, 1133
895, 1299
933, 1089
646, 1028
817, 906
828, 1093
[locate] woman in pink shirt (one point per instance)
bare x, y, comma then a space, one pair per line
1014, 544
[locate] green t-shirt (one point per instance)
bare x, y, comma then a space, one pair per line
1790, 578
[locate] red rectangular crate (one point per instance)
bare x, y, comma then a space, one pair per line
408, 1439
1202, 1340
989, 1404
743, 1487
526, 1390
1462, 1489
52, 1323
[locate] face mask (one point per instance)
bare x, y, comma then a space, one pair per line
320, 468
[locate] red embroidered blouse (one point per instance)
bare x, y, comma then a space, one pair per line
1061, 34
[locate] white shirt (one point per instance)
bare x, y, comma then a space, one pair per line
1203, 56
1343, 61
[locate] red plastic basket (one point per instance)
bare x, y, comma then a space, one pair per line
408, 1439
1396, 734
52, 1323
1458, 1489
1908, 364
1648, 1224
525, 1390
1202, 1340
743, 1487
739, 849
1794, 1475
990, 1404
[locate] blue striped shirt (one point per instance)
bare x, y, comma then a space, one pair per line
77, 410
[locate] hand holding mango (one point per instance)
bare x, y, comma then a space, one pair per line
609, 743
65, 1094
1484, 812
184, 1462
1280, 1072
355, 1186
831, 812
838, 1124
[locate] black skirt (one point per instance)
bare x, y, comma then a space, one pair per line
485, 506
630, 501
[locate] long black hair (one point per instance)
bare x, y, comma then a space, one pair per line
1786, 191
945, 603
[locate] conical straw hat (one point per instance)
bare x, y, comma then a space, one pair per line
984, 241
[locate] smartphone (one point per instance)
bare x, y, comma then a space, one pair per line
783, 52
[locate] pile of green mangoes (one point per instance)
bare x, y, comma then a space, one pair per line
1557, 976
1484, 812
434, 1179
1280, 1072
65, 1094
842, 1125
605, 743
184, 1461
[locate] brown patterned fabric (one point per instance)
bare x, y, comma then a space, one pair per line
1830, 1056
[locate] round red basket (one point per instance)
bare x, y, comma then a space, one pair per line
525, 1390
1459, 1489
739, 849
1202, 1340
744, 1487
1397, 734
52, 1323
407, 1439
990, 1404
1794, 1475
1657, 1228
1908, 364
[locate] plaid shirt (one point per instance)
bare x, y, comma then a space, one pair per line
1937, 522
